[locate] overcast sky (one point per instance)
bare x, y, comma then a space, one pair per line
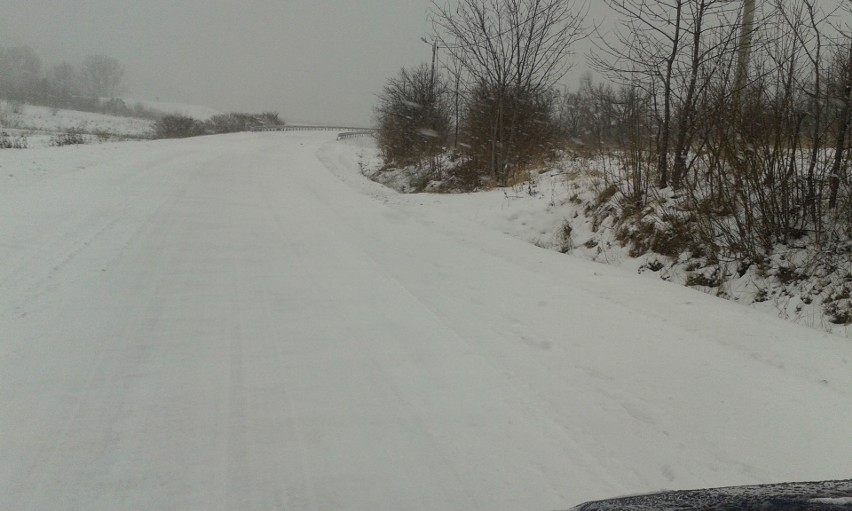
311, 60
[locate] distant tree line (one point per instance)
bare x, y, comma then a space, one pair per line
181, 126
92, 85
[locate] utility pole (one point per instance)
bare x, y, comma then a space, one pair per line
744, 49
434, 44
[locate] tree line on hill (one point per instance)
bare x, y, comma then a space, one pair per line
93, 85
182, 126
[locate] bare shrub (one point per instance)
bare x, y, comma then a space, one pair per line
413, 118
73, 137
178, 126
512, 53
8, 141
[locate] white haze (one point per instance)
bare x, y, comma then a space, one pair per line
319, 61
312, 61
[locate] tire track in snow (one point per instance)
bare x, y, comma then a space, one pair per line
65, 430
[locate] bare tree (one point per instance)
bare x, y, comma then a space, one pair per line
20, 69
711, 43
670, 49
413, 117
65, 80
101, 76
843, 95
750, 113
514, 52
642, 54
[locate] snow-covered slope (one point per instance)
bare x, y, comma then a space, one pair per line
560, 209
29, 118
38, 123
244, 321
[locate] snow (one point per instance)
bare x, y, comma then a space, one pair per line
558, 201
39, 124
44, 120
245, 321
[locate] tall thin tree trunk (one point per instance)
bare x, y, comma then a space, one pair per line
816, 138
682, 142
839, 143
665, 135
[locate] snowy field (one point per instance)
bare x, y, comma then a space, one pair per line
38, 123
246, 322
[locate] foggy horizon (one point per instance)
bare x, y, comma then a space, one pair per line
309, 61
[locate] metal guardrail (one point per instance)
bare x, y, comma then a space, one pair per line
353, 134
291, 127
345, 132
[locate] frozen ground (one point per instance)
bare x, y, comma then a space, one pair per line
245, 322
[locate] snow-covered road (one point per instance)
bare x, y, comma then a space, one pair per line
243, 322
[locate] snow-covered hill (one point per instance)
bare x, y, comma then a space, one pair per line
38, 123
